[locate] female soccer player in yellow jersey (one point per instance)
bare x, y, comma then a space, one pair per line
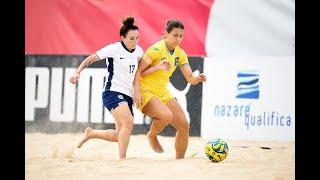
151, 95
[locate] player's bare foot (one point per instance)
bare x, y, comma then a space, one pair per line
121, 159
154, 143
87, 134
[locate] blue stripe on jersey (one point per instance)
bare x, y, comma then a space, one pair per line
110, 70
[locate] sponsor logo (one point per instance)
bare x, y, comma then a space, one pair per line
248, 88
176, 61
248, 85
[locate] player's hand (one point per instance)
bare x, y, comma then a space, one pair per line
202, 78
164, 65
74, 78
137, 99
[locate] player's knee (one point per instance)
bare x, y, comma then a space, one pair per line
187, 127
127, 121
184, 127
167, 117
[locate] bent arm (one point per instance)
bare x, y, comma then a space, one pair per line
143, 64
162, 65
190, 77
86, 62
149, 70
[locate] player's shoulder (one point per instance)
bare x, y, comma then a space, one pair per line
181, 52
156, 46
139, 49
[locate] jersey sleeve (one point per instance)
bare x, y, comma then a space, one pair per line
153, 53
183, 59
107, 51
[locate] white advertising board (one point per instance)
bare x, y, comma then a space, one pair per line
249, 98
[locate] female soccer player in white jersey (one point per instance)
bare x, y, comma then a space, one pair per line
122, 62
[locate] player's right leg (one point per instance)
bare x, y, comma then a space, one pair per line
162, 116
180, 123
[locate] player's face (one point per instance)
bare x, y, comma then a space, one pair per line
175, 36
132, 38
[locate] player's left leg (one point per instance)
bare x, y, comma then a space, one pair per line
123, 115
180, 123
108, 135
110, 100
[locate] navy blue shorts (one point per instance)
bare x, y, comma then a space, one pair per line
112, 100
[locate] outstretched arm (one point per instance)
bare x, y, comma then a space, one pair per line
85, 63
190, 77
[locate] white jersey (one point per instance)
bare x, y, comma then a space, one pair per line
121, 67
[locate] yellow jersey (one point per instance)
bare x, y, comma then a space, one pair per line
157, 81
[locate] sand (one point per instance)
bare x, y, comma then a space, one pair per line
55, 156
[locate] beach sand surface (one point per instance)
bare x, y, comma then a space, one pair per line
55, 157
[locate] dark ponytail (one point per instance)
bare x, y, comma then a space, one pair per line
128, 24
174, 24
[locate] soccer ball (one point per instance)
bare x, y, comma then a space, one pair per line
216, 150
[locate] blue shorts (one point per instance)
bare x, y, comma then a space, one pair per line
112, 100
